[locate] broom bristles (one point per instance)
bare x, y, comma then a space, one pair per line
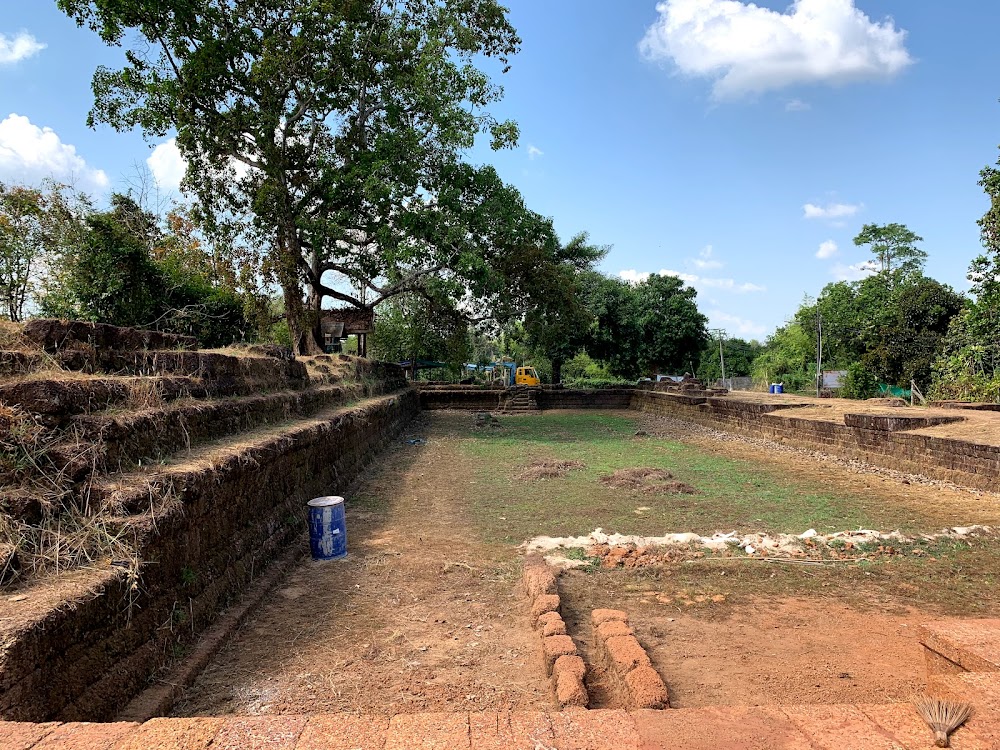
943, 717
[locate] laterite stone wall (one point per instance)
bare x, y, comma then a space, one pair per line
208, 531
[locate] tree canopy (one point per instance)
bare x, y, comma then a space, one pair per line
335, 126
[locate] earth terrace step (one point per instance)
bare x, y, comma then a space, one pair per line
52, 335
222, 373
54, 401
864, 727
120, 441
21, 363
136, 493
209, 527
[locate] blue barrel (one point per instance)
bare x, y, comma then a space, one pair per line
327, 528
779, 387
771, 389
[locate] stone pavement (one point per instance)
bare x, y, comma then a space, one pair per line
887, 727
963, 663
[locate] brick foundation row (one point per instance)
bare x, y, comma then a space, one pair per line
563, 663
626, 662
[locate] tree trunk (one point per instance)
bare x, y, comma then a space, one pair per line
556, 371
299, 324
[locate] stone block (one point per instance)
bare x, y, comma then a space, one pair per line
599, 616
554, 627
344, 732
613, 628
172, 734
259, 733
646, 689
544, 603
555, 646
429, 731
547, 617
626, 653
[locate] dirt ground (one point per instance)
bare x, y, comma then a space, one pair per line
761, 651
424, 614
419, 617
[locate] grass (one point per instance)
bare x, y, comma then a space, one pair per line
947, 577
731, 494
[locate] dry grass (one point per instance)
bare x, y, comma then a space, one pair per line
550, 469
11, 338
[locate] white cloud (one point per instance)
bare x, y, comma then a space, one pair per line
831, 210
853, 272
698, 282
735, 325
167, 165
827, 250
705, 261
796, 105
632, 276
30, 154
534, 152
745, 48
13, 49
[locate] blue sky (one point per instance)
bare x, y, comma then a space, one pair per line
727, 142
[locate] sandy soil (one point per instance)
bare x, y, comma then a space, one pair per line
761, 652
981, 427
419, 617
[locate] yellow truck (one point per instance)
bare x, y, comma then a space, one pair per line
526, 376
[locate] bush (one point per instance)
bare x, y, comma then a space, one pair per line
597, 383
859, 383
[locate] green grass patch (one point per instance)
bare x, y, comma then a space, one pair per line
731, 494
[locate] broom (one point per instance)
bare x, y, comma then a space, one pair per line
943, 717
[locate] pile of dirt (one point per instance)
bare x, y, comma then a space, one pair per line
648, 480
549, 470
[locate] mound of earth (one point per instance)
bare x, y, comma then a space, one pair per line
648, 480
549, 470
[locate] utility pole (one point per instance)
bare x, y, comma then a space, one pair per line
819, 353
721, 332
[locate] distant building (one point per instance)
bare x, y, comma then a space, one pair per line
338, 324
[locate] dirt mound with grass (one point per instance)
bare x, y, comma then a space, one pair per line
549, 470
647, 480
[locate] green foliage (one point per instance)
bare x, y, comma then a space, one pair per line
597, 382
739, 355
583, 366
122, 268
896, 330
788, 357
895, 251
353, 118
969, 367
859, 383
641, 329
411, 327
110, 276
557, 320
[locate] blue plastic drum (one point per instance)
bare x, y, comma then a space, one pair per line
327, 528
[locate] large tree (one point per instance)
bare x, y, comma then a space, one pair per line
644, 328
332, 124
24, 237
557, 320
894, 248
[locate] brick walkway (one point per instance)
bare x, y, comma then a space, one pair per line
963, 659
890, 727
